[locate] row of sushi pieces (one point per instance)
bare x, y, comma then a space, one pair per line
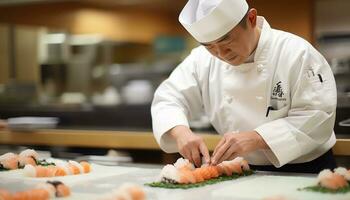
334, 180
42, 191
52, 189
11, 161
33, 167
60, 168
184, 172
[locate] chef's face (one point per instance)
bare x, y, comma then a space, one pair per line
237, 45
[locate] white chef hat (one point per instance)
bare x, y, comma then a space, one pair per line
208, 20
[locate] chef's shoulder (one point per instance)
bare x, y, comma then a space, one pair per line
294, 51
292, 46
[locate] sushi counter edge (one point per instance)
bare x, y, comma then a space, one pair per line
113, 139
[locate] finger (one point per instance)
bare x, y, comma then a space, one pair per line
205, 152
233, 156
220, 152
221, 142
196, 157
226, 156
186, 154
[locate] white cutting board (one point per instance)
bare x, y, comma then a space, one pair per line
260, 187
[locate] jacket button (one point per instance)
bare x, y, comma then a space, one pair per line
260, 67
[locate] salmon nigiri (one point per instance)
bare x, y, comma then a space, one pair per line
9, 161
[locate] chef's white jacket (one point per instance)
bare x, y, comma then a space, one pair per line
288, 95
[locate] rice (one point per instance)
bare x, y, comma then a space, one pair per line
29, 153
183, 163
48, 187
75, 163
29, 170
343, 172
169, 172
324, 174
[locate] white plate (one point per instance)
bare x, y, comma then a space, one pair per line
31, 123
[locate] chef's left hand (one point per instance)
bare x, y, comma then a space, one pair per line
232, 145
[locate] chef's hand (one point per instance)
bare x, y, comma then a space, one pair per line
237, 144
190, 145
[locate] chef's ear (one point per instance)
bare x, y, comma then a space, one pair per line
252, 15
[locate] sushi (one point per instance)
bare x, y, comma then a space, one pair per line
9, 161
61, 169
183, 164
28, 156
5, 195
343, 172
127, 191
184, 172
42, 191
327, 179
61, 190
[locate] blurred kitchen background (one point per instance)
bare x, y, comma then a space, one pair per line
95, 64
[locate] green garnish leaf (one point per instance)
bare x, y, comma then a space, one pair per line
318, 188
44, 163
201, 184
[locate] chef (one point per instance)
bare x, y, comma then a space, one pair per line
269, 93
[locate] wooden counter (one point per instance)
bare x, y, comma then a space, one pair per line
112, 139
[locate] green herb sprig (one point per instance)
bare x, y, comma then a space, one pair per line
45, 163
318, 188
201, 184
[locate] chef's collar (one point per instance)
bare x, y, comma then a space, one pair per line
250, 59
262, 48
259, 55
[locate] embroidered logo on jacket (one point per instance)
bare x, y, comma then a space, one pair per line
277, 92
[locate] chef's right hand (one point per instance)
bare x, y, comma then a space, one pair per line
190, 145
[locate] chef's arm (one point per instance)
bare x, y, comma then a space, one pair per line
310, 120
176, 100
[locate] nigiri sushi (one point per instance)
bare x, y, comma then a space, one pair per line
50, 188
34, 194
5, 195
184, 172
86, 166
127, 191
169, 174
183, 164
39, 171
328, 179
343, 172
9, 161
28, 156
61, 189
75, 167
61, 169
42, 191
